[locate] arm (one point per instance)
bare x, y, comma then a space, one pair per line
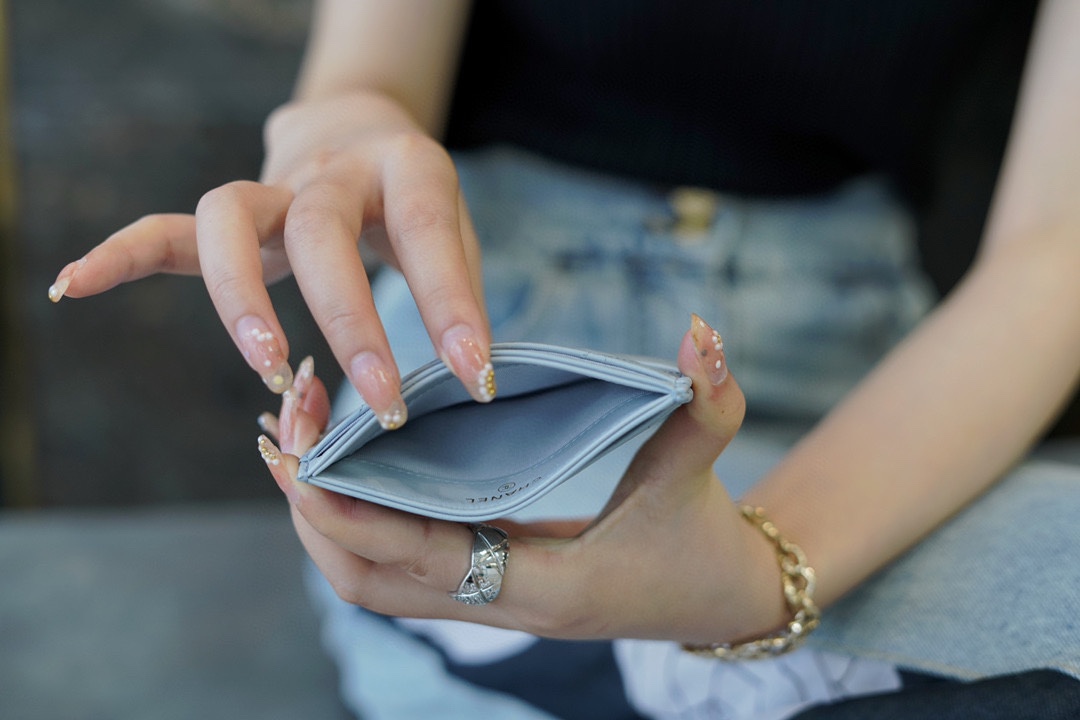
943, 416
405, 49
957, 403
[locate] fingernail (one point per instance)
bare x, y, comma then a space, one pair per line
464, 354
290, 406
291, 403
305, 373
262, 350
63, 280
268, 423
272, 456
379, 387
710, 350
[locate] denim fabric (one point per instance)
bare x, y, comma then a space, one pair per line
996, 590
808, 293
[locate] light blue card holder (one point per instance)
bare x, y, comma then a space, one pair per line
557, 410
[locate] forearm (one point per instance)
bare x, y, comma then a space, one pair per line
943, 417
951, 408
406, 49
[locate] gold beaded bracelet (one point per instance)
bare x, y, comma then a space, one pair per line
798, 581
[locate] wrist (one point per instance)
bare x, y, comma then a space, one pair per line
778, 607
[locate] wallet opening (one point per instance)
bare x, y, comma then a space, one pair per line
473, 454
521, 434
557, 410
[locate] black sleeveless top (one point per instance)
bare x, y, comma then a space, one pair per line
765, 97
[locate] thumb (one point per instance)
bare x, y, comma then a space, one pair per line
694, 436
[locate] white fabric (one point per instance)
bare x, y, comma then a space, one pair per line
665, 683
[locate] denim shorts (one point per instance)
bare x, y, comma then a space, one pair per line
808, 294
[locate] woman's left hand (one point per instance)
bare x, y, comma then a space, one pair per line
669, 557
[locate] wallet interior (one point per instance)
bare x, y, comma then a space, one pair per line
467, 453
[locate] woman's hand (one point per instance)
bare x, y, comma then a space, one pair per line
337, 170
669, 557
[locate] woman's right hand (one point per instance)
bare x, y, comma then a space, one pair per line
338, 170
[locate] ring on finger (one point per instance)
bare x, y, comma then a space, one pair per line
483, 581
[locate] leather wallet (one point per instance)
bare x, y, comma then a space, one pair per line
557, 410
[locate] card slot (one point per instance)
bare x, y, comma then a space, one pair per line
476, 444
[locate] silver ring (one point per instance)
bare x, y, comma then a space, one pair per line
483, 582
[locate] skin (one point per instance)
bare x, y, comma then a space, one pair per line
940, 419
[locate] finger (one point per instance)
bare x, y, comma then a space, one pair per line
153, 244
437, 251
695, 435
433, 552
472, 257
290, 416
321, 234
382, 588
305, 410
401, 564
316, 407
232, 222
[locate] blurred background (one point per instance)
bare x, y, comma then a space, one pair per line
148, 568
120, 108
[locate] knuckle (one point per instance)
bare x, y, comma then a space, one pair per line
223, 284
414, 149
340, 321
155, 230
313, 213
224, 197
420, 220
419, 562
416, 146
279, 121
353, 589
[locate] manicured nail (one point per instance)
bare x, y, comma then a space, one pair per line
272, 456
464, 354
710, 350
262, 350
63, 280
268, 423
290, 407
291, 403
305, 373
379, 387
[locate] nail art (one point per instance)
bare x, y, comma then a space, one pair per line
464, 354
270, 454
272, 457
305, 373
710, 350
63, 280
292, 401
379, 388
262, 350
290, 407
